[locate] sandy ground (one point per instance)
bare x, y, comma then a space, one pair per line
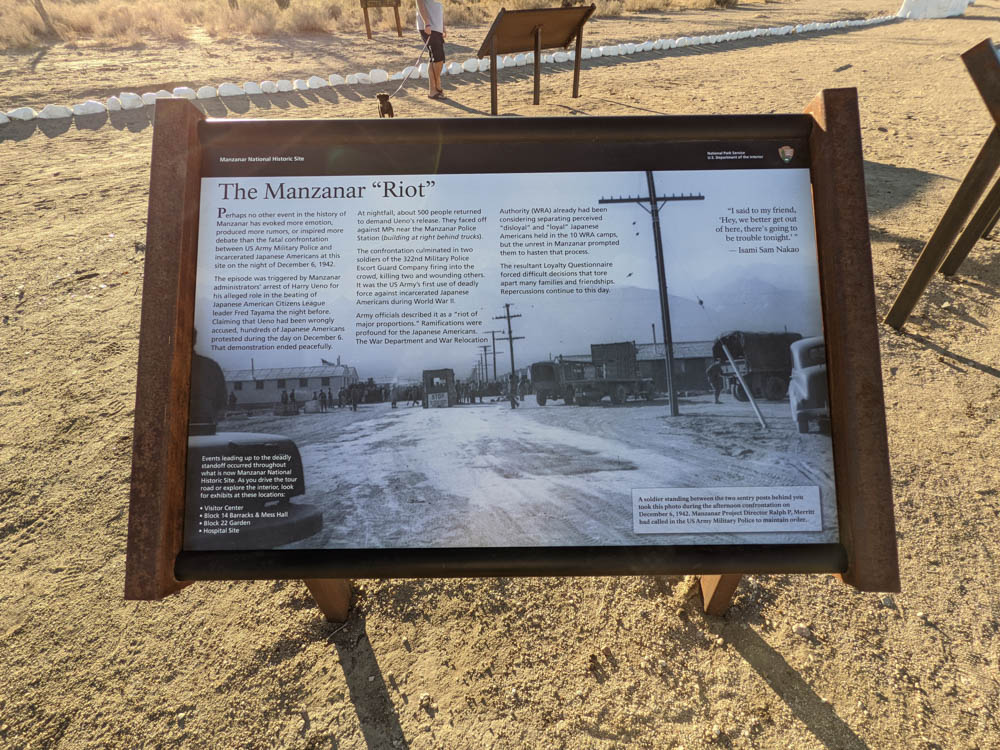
511, 663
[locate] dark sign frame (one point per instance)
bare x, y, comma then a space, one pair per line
533, 30
866, 555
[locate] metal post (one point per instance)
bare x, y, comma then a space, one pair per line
538, 64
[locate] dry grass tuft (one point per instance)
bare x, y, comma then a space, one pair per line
135, 21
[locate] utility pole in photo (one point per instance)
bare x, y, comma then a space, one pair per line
651, 204
486, 362
511, 338
493, 334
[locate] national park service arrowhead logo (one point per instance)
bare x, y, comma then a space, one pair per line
787, 153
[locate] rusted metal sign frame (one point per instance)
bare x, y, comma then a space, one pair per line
533, 30
983, 65
866, 555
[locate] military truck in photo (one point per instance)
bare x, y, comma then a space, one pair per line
763, 359
612, 371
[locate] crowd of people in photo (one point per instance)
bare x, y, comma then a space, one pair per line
294, 401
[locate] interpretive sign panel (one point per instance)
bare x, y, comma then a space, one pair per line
346, 279
328, 282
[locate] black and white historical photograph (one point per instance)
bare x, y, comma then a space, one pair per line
421, 362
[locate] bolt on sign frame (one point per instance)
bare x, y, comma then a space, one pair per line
533, 30
983, 64
827, 142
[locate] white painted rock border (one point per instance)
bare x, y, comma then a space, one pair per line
910, 9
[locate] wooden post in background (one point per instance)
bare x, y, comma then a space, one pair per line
538, 64
493, 76
578, 57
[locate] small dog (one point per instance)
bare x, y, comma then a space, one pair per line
384, 105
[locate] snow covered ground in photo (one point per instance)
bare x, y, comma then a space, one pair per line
486, 475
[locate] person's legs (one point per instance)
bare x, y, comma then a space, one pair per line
435, 46
436, 68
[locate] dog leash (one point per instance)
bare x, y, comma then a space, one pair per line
416, 63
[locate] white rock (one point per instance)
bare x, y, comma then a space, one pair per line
252, 88
207, 92
315, 82
410, 70
658, 44
520, 59
114, 104
670, 44
89, 107
163, 94
299, 84
484, 64
55, 112
454, 69
561, 57
629, 48
396, 77
422, 70
149, 98
471, 65
230, 89
364, 78
509, 61
378, 75
682, 41
185, 92
596, 52
284, 85
529, 58
269, 87
337, 80
4, 119
648, 46
585, 53
22, 113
